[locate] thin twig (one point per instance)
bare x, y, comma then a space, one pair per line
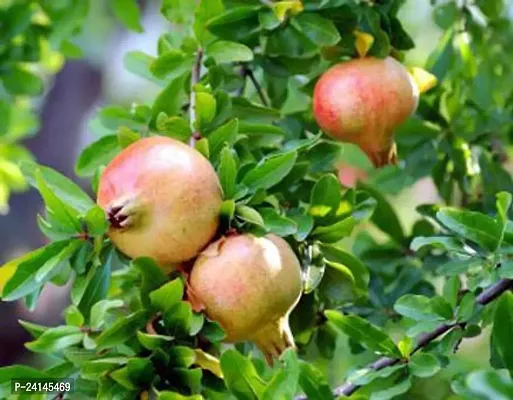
486, 297
195, 78
263, 97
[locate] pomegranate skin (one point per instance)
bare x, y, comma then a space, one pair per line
162, 199
250, 285
363, 101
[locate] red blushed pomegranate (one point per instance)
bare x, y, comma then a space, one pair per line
162, 199
363, 101
250, 285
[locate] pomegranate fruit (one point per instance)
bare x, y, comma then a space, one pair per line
363, 101
250, 285
162, 199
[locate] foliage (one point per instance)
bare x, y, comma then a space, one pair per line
129, 332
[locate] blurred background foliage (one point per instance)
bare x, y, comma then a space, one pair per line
55, 80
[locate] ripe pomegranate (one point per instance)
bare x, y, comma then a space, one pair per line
250, 285
363, 101
162, 199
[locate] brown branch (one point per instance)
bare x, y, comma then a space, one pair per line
150, 325
486, 297
195, 78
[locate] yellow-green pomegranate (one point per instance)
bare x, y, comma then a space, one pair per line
162, 199
250, 285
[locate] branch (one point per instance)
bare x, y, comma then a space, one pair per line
248, 72
487, 296
195, 78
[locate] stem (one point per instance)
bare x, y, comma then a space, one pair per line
263, 97
195, 78
487, 296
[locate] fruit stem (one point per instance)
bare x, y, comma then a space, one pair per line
195, 78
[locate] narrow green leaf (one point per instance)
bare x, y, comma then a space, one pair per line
96, 155
167, 295
241, 376
270, 171
502, 331
122, 330
227, 171
471, 225
364, 333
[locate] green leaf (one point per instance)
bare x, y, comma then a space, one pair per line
182, 356
471, 225
73, 316
167, 295
319, 30
364, 333
502, 331
205, 11
99, 312
97, 154
467, 307
270, 171
171, 99
172, 64
35, 330
23, 281
127, 12
93, 287
122, 330
152, 276
313, 382
139, 63
358, 269
56, 339
385, 216
205, 109
503, 203
126, 137
416, 307
440, 242
179, 319
66, 190
228, 173
153, 342
223, 136
61, 213
278, 224
241, 377
336, 232
250, 215
96, 221
19, 81
283, 384
228, 52
326, 196
392, 392
424, 365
